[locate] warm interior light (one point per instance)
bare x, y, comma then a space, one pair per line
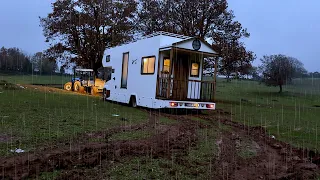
166, 65
194, 69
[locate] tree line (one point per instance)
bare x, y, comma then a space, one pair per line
15, 60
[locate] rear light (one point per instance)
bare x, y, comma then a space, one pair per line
210, 105
173, 104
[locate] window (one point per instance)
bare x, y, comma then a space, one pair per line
108, 58
124, 75
195, 69
166, 65
148, 64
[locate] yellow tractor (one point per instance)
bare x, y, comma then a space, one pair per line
85, 81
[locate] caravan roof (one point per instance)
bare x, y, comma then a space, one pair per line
170, 40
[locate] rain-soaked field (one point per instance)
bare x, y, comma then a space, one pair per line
73, 136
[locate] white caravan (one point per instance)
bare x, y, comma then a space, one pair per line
161, 70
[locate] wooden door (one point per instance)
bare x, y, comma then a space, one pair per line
181, 72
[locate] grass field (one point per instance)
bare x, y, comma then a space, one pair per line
33, 119
293, 116
35, 79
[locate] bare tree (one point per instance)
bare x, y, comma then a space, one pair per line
279, 70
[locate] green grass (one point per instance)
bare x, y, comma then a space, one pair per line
131, 135
48, 175
34, 118
206, 148
167, 121
196, 165
290, 116
147, 168
35, 79
200, 120
247, 148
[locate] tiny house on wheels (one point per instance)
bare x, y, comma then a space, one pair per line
161, 70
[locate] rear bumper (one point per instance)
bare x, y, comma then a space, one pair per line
190, 105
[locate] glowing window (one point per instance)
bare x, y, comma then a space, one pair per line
148, 64
195, 69
166, 65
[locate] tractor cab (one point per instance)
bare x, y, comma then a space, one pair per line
84, 76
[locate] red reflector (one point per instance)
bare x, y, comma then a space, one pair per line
173, 104
210, 105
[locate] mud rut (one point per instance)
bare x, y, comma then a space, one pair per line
274, 159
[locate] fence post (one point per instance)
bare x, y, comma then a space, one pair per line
215, 79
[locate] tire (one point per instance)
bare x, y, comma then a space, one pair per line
104, 95
76, 86
67, 86
133, 101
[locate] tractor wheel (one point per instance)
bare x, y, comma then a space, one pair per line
68, 86
76, 86
94, 90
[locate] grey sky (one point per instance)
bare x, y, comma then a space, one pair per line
289, 27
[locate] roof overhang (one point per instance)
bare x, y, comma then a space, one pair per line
186, 46
188, 51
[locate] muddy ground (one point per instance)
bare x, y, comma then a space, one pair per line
272, 159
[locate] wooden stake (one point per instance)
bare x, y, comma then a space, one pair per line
215, 79
170, 72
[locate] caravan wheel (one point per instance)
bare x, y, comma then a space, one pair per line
104, 95
133, 102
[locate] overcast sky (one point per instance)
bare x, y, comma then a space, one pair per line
289, 27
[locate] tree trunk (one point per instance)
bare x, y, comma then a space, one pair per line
280, 88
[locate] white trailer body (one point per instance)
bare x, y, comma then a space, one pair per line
162, 70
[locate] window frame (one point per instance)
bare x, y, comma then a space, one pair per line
154, 65
195, 76
122, 87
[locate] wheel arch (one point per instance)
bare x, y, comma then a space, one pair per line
133, 95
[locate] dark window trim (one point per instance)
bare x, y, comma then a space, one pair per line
121, 87
198, 69
154, 65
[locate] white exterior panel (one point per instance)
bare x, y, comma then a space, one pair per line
143, 86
